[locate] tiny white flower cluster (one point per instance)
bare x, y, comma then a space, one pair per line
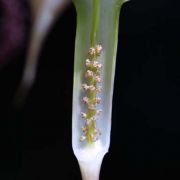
95, 51
93, 77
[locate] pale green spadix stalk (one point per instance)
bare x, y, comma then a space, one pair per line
94, 68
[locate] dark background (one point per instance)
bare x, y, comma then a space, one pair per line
35, 141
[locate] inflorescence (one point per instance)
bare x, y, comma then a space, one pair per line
92, 78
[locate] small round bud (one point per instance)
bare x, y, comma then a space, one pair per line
88, 121
99, 66
94, 137
82, 138
95, 63
98, 49
84, 129
99, 89
85, 87
99, 111
98, 100
88, 62
98, 79
89, 74
83, 115
85, 100
92, 51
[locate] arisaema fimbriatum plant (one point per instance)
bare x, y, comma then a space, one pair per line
94, 69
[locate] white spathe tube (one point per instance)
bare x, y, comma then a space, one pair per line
90, 160
90, 156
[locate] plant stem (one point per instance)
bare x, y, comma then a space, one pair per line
90, 170
95, 21
90, 160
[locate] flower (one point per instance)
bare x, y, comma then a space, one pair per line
94, 68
